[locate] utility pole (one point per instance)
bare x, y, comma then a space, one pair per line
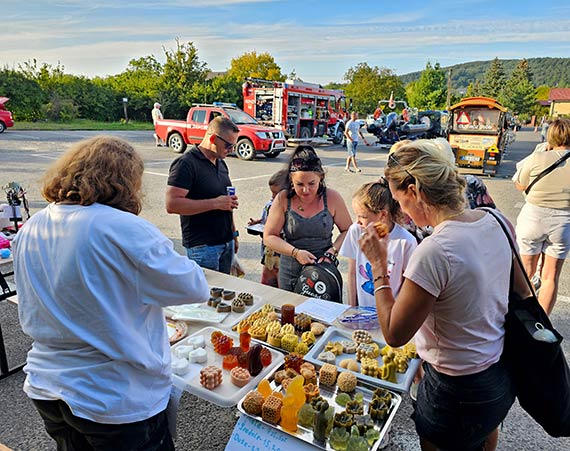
448, 102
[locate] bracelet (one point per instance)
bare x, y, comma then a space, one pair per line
294, 252
382, 276
335, 250
381, 287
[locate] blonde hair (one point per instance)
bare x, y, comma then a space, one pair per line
559, 133
102, 169
423, 164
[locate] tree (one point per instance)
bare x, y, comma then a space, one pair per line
250, 64
494, 80
519, 93
367, 85
141, 83
474, 89
26, 95
430, 91
183, 78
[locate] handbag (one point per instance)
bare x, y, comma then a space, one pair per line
547, 171
534, 357
321, 280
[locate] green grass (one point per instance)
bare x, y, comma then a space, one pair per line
82, 124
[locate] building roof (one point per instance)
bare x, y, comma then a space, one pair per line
559, 94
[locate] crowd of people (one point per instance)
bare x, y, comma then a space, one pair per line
91, 293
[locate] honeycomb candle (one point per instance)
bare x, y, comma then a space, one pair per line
288, 314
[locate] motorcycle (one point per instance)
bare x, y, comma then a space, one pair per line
428, 124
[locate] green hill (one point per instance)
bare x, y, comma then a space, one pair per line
548, 71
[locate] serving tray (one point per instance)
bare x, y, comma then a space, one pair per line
404, 380
226, 394
329, 393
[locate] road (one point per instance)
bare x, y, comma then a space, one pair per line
24, 156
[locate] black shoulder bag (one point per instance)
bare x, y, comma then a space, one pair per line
548, 170
534, 357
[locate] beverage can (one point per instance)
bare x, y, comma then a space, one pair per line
231, 190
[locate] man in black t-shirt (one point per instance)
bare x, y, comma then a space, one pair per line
197, 191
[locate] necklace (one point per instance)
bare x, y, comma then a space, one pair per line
300, 207
454, 215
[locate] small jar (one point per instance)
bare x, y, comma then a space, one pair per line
288, 314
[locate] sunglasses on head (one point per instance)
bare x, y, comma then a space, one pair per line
228, 145
392, 158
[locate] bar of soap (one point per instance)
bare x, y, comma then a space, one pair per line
197, 341
180, 366
182, 351
198, 355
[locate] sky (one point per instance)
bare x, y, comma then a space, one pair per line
318, 40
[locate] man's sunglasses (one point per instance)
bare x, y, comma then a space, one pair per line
392, 158
229, 145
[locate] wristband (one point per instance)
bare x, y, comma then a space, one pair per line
382, 276
294, 252
236, 233
381, 287
335, 250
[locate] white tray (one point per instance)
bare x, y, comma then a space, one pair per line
226, 394
205, 314
335, 334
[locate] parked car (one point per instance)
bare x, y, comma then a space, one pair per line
253, 138
6, 119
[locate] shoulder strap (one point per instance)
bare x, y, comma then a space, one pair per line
325, 199
511, 243
548, 170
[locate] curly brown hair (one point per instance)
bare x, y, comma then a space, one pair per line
103, 169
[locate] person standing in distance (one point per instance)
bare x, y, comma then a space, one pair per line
156, 116
197, 191
351, 133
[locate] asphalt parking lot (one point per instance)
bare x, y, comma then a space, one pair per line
24, 156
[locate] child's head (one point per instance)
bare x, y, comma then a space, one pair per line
278, 182
373, 202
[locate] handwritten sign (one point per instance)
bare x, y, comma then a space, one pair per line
325, 311
251, 435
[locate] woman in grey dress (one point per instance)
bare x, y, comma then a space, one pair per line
302, 217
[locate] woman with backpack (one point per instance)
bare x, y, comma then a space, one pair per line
302, 218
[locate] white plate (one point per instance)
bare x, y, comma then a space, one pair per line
226, 394
195, 312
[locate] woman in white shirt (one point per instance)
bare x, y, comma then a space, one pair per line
92, 279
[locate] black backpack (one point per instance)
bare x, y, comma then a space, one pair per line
320, 280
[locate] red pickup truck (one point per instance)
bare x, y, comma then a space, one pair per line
6, 119
253, 138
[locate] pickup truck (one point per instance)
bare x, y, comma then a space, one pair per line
253, 138
6, 119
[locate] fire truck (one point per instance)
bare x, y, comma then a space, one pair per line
302, 110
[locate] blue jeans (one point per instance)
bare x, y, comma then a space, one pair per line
218, 257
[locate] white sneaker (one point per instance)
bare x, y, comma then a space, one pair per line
536, 281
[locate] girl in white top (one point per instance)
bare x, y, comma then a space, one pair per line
372, 203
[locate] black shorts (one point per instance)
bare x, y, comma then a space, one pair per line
459, 412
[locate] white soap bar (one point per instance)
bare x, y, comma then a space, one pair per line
182, 351
198, 355
197, 341
180, 366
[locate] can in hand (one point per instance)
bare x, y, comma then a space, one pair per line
231, 190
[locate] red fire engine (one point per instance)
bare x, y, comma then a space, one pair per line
302, 110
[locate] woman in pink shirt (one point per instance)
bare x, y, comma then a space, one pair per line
453, 299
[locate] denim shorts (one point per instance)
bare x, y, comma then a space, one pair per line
459, 412
543, 230
218, 257
351, 147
